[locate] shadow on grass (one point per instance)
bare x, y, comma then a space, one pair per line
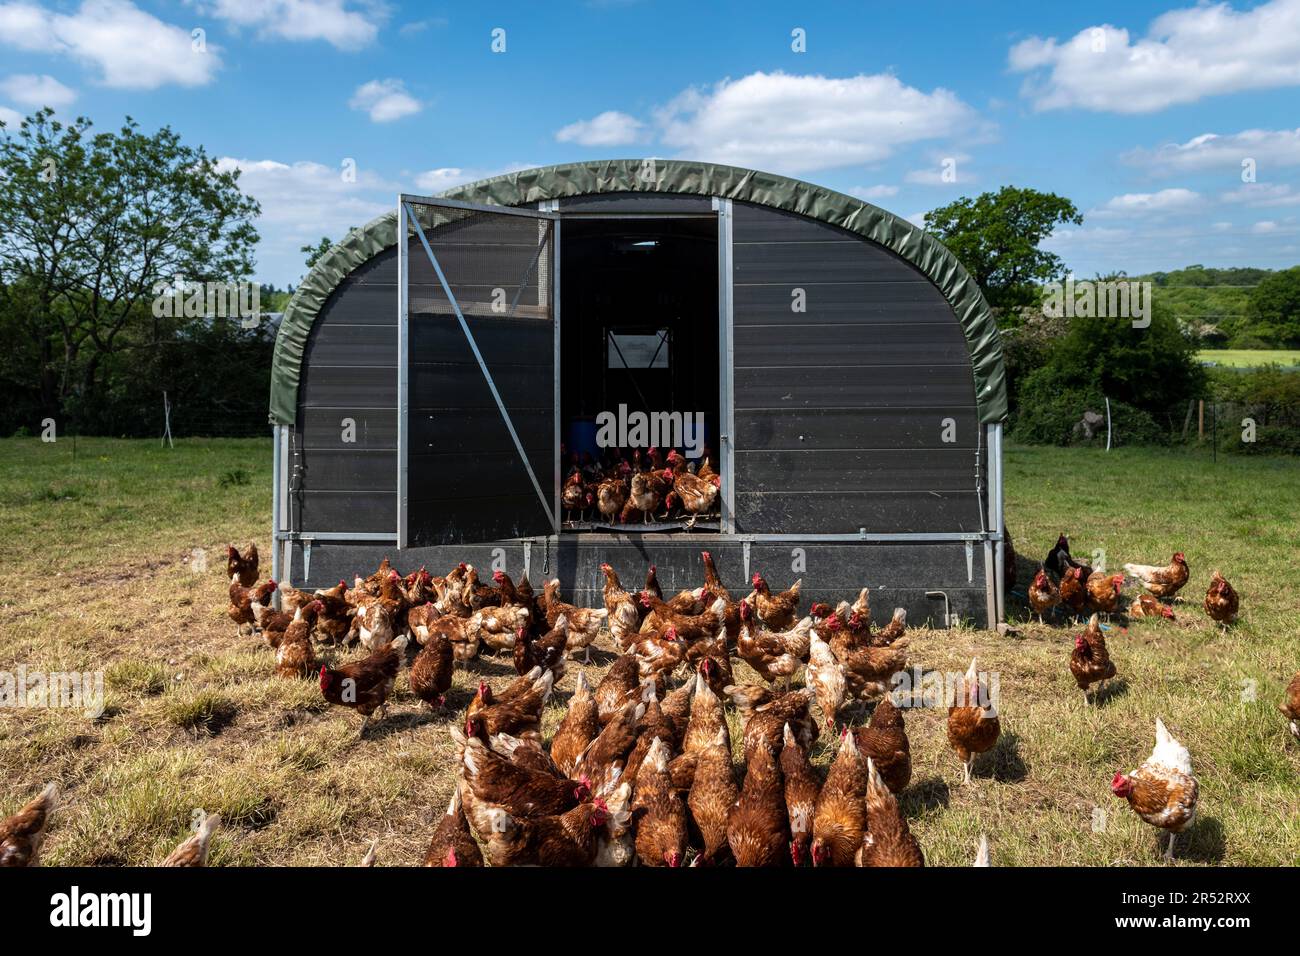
1003, 763
1203, 843
932, 793
487, 665
1116, 687
396, 723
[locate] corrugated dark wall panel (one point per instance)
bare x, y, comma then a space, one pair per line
854, 345
858, 409
350, 372
847, 512
372, 512
841, 303
764, 429
870, 470
374, 429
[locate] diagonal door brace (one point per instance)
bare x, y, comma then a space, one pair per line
492, 386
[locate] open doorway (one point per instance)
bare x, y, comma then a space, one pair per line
638, 369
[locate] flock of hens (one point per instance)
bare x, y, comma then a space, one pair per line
639, 770
623, 491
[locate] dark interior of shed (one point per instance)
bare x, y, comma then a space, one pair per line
638, 333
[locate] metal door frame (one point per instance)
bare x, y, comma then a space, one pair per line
726, 367
405, 219
722, 213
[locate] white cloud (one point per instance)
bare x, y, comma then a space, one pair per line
1087, 235
334, 21
1166, 200
384, 100
419, 26
301, 202
1267, 147
11, 118
132, 49
439, 180
1264, 195
610, 128
1163, 244
1187, 54
29, 89
308, 199
794, 124
874, 192
1263, 227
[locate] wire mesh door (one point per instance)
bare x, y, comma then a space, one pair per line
478, 456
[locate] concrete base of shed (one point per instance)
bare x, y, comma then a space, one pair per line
899, 574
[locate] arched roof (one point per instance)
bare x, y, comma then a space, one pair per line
530, 186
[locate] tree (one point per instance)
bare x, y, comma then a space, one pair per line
1153, 369
996, 236
315, 252
89, 228
44, 171
1274, 308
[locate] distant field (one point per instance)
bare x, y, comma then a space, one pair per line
99, 574
1249, 358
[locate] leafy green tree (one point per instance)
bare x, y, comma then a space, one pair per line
315, 252
1274, 308
90, 226
44, 170
997, 236
1152, 369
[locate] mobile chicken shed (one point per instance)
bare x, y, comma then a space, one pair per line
434, 363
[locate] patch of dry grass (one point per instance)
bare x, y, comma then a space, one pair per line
196, 720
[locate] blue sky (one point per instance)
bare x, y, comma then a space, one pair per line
1142, 113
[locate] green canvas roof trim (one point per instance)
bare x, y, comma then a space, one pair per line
529, 186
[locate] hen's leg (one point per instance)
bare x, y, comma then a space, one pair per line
965, 769
1169, 853
365, 720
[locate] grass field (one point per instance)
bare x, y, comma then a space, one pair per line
100, 573
1249, 358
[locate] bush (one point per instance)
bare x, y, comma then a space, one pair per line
1046, 417
1028, 337
1269, 440
1154, 368
1270, 396
1149, 374
1274, 308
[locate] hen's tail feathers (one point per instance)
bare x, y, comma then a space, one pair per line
544, 684
49, 797
582, 690
369, 858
